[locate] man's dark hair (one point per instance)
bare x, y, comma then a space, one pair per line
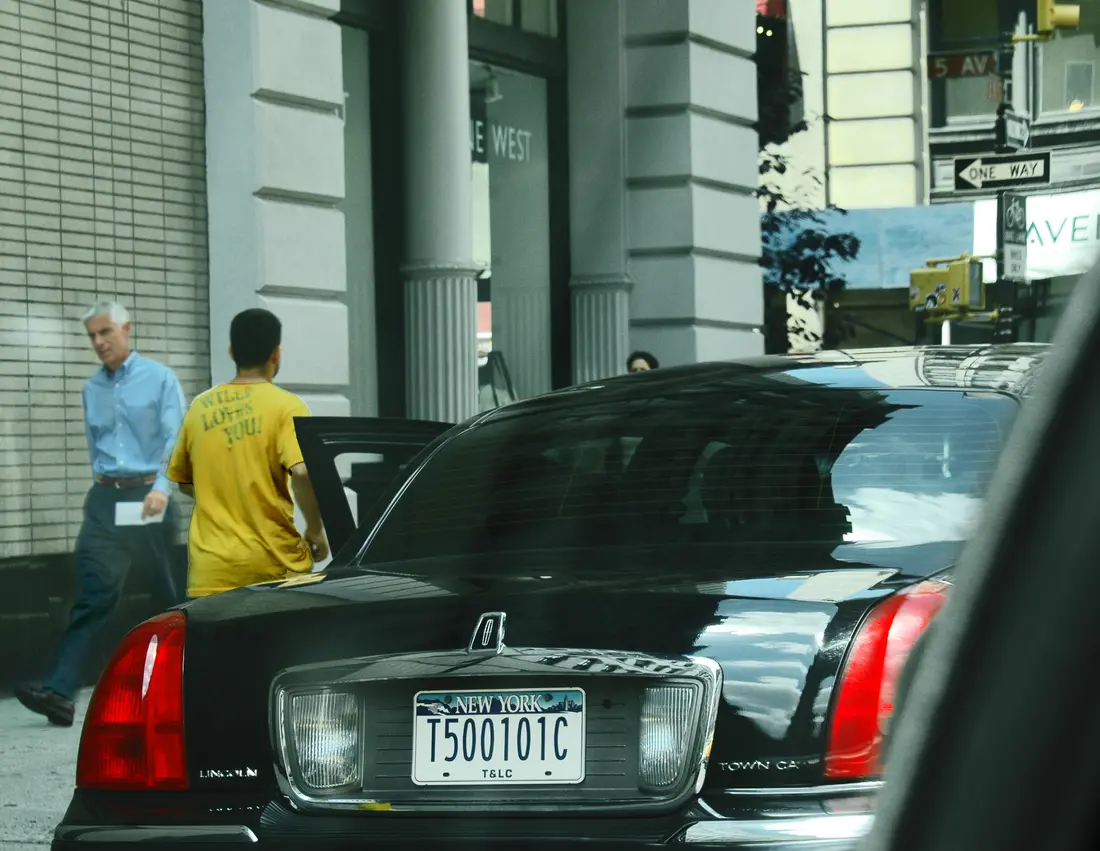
646, 356
254, 334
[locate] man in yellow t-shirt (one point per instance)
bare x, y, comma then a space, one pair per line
237, 454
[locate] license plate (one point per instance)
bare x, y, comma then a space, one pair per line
482, 737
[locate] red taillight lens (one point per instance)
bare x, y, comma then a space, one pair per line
133, 734
869, 681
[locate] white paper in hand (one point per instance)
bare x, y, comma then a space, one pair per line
129, 514
300, 524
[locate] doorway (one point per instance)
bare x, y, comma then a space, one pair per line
511, 221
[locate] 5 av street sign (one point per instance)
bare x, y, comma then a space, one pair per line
943, 66
1002, 171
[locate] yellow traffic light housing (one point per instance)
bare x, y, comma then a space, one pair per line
1051, 16
952, 285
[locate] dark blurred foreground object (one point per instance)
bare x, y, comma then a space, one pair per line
997, 747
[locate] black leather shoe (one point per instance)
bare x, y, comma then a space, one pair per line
57, 709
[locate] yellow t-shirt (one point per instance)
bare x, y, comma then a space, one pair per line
236, 447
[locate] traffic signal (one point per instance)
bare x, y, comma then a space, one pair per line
1051, 16
778, 85
947, 286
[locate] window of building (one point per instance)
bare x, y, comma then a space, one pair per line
539, 16
534, 16
1065, 79
511, 221
497, 11
956, 27
1069, 65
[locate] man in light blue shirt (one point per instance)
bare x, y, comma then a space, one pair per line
133, 408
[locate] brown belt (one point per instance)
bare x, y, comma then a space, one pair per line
133, 482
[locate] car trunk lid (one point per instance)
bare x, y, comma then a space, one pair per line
778, 636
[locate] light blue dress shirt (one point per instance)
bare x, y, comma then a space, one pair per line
132, 417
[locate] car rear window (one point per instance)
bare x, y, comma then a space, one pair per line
761, 467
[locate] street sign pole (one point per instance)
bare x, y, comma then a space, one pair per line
1005, 172
1005, 288
1004, 301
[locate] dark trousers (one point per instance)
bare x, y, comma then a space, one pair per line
104, 554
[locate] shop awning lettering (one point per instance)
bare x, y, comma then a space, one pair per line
1063, 234
1048, 232
503, 141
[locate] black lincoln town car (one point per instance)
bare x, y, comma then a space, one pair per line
668, 608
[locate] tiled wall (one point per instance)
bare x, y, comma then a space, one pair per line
102, 194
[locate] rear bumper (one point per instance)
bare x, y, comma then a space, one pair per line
161, 836
806, 819
805, 833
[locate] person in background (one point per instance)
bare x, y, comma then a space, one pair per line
238, 455
133, 407
641, 362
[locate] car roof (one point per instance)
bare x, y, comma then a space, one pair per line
1007, 368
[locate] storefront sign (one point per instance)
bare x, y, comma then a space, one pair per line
503, 141
1063, 233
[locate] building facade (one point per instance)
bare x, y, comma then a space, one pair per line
898, 114
603, 138
404, 184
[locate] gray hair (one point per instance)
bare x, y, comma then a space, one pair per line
117, 313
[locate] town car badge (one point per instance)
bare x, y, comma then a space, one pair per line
488, 637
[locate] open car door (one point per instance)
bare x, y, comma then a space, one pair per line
353, 460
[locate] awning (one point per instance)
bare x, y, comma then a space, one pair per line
1063, 234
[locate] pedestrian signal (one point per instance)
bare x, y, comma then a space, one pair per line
953, 285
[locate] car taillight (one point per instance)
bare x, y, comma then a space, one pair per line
133, 735
869, 680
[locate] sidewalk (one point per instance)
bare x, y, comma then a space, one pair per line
37, 772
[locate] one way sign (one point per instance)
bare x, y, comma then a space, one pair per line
998, 172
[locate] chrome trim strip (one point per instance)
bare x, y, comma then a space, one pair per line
803, 830
712, 696
170, 833
823, 791
514, 662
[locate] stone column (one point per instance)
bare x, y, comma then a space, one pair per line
875, 67
601, 325
694, 222
597, 191
440, 287
275, 175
